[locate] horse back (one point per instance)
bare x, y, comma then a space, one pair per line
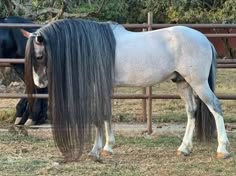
154, 56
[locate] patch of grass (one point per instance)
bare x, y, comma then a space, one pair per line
226, 81
161, 141
139, 156
20, 166
96, 169
230, 118
8, 138
171, 117
7, 115
229, 111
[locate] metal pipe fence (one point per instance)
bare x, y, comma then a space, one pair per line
147, 94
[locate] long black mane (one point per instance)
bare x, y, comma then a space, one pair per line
81, 57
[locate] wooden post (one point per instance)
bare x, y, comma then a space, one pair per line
144, 101
149, 109
149, 89
150, 21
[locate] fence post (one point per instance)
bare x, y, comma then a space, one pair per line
144, 101
149, 89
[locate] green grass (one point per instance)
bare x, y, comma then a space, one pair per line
7, 115
6, 138
162, 141
137, 155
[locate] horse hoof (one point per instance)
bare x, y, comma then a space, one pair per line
181, 153
17, 121
222, 155
95, 158
106, 153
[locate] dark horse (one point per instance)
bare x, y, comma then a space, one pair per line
12, 45
81, 61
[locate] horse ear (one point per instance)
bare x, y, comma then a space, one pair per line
25, 33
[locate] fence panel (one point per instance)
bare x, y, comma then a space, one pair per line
147, 95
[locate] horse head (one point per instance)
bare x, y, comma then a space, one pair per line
36, 59
7, 45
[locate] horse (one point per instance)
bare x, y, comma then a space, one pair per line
12, 45
81, 61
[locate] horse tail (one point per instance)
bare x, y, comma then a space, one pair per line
205, 123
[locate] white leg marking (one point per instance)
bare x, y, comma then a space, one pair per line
186, 146
212, 102
29, 122
186, 94
95, 152
110, 139
17, 121
223, 141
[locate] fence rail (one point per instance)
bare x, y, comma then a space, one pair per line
147, 95
226, 63
131, 26
118, 96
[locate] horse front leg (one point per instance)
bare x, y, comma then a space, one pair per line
95, 152
20, 109
110, 139
186, 93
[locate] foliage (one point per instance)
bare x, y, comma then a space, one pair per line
171, 11
115, 11
128, 11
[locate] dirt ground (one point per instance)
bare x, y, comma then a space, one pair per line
135, 153
128, 130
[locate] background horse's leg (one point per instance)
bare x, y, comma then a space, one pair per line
39, 111
95, 152
35, 114
186, 94
38, 114
20, 109
208, 97
110, 139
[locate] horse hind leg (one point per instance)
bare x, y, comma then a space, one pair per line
209, 98
186, 94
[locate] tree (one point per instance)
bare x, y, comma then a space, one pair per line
50, 10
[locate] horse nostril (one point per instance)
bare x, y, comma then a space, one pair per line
39, 58
41, 81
